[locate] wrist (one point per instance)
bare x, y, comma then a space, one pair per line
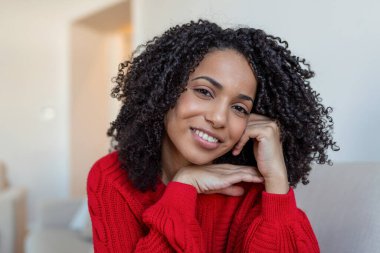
182, 177
277, 185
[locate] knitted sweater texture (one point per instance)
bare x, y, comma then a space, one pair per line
174, 218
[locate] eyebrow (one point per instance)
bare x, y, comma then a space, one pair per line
220, 87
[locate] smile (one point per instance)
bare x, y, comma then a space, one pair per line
205, 136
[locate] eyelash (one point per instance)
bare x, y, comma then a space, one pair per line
207, 93
204, 92
240, 109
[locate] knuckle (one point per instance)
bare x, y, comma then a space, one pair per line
272, 128
273, 125
268, 131
249, 170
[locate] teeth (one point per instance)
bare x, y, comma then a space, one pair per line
205, 136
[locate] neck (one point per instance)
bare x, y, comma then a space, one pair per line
172, 160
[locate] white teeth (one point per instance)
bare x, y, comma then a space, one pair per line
205, 136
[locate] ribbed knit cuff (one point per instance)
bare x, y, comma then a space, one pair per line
279, 206
181, 197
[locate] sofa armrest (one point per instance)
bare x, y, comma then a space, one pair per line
57, 213
12, 219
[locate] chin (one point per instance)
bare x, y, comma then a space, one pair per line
203, 159
199, 160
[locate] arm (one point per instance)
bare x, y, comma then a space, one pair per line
167, 226
173, 216
274, 224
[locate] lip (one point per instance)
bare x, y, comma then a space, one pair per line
203, 143
220, 139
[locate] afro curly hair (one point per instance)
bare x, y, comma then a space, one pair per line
151, 82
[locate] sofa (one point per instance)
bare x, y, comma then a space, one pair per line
342, 203
12, 215
343, 206
62, 226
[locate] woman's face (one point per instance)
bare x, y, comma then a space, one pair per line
211, 115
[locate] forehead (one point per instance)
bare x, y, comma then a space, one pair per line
228, 67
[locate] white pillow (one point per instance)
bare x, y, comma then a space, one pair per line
81, 221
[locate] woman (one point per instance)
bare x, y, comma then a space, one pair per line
216, 126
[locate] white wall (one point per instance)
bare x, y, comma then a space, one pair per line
339, 38
34, 85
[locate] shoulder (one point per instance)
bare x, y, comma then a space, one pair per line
107, 173
104, 166
108, 186
106, 162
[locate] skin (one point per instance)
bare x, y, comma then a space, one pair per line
217, 101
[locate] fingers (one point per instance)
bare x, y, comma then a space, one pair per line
239, 146
236, 173
258, 117
237, 177
218, 178
233, 190
229, 169
258, 127
243, 176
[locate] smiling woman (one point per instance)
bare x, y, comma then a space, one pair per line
216, 126
210, 116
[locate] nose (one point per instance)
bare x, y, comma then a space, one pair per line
217, 115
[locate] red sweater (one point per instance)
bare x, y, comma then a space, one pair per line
174, 218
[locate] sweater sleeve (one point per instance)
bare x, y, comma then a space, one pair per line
169, 225
174, 217
277, 225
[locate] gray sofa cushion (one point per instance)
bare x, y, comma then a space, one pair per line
57, 241
343, 205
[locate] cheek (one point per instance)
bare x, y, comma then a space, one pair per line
237, 129
183, 109
168, 118
187, 105
174, 113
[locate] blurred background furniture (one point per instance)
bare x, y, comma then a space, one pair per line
342, 203
12, 216
343, 206
62, 226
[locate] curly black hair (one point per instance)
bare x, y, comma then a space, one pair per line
151, 82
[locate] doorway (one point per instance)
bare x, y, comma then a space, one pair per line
99, 42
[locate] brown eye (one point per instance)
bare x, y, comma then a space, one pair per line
240, 109
203, 92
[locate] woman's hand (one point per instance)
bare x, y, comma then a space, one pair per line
218, 178
268, 152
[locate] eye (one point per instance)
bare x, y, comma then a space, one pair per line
203, 92
240, 110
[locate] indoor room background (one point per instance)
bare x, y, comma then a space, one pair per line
57, 59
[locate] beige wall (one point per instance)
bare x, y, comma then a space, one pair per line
34, 92
340, 38
95, 56
88, 104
